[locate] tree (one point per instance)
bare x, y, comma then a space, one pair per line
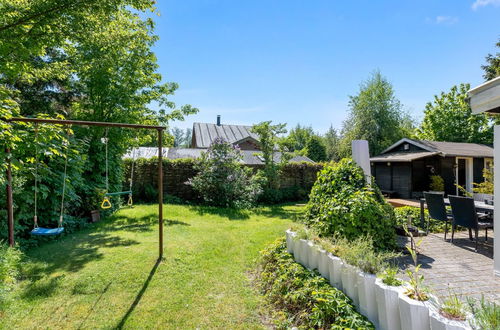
222, 180
269, 141
298, 138
182, 138
492, 68
449, 118
375, 115
315, 149
331, 141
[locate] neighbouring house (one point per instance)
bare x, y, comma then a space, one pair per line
404, 169
250, 157
205, 133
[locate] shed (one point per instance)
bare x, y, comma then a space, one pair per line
405, 168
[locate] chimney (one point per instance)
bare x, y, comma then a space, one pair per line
218, 120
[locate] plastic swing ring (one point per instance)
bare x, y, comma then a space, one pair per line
106, 203
130, 201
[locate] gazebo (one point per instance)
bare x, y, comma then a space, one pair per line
486, 98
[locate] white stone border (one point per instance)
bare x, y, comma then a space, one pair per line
387, 307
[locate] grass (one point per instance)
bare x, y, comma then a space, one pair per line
107, 276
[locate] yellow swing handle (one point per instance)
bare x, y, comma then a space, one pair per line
106, 203
130, 201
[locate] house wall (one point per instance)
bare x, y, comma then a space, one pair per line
394, 177
249, 145
412, 148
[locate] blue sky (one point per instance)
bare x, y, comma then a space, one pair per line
298, 61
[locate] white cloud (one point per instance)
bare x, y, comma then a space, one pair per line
447, 20
482, 3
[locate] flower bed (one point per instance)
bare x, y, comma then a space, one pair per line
386, 306
300, 297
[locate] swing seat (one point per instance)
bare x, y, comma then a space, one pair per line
40, 231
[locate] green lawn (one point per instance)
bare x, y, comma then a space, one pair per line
106, 276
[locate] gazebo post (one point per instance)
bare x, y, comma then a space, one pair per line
486, 98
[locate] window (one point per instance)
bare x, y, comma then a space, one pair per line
406, 146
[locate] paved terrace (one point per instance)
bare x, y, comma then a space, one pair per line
457, 267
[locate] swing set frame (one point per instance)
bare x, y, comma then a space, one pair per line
159, 129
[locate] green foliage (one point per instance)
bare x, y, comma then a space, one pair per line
406, 212
415, 288
315, 149
389, 276
492, 66
341, 202
297, 139
450, 118
453, 307
301, 297
487, 186
269, 141
486, 314
10, 263
375, 115
331, 140
437, 183
222, 180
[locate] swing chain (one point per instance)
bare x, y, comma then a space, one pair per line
35, 217
64, 176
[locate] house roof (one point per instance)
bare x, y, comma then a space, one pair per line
250, 157
485, 97
205, 133
402, 156
430, 148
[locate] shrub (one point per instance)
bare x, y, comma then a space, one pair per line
301, 297
403, 213
437, 183
222, 180
341, 202
389, 276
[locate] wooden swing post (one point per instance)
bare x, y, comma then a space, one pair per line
160, 129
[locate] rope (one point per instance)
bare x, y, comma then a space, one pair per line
64, 179
35, 218
106, 147
132, 169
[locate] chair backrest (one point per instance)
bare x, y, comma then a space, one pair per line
435, 205
464, 211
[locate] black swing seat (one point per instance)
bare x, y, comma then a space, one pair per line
40, 231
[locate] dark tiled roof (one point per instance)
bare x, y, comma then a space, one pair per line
459, 149
205, 133
402, 156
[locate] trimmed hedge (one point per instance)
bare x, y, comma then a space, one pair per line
296, 180
302, 298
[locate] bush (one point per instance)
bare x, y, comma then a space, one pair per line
301, 297
222, 180
10, 259
341, 202
282, 195
403, 213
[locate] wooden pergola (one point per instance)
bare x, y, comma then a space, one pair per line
159, 129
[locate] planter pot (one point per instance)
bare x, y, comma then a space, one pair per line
366, 296
388, 305
323, 264
312, 256
290, 242
95, 215
414, 314
350, 283
335, 266
439, 322
303, 252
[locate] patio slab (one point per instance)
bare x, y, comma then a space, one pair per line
456, 267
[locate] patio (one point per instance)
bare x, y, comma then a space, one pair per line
456, 267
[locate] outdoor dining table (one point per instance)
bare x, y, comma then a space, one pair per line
480, 207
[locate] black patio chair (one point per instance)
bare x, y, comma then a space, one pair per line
465, 215
437, 209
